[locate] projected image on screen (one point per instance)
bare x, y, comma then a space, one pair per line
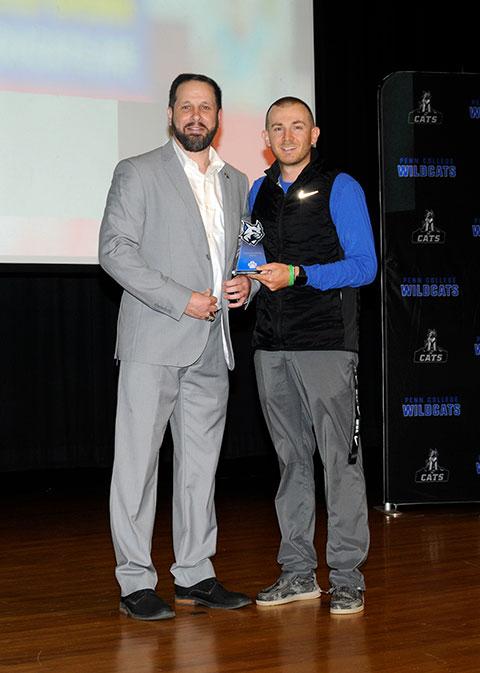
84, 83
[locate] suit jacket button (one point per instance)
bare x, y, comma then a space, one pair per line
207, 256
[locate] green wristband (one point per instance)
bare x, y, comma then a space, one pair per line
291, 270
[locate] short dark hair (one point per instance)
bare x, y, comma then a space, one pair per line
288, 100
189, 77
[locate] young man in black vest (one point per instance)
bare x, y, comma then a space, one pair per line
319, 248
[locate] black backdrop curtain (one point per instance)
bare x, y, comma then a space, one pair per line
58, 378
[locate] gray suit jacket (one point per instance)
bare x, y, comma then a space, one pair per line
153, 243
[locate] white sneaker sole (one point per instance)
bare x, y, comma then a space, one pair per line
348, 611
291, 599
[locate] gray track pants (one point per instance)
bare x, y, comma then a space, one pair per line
308, 399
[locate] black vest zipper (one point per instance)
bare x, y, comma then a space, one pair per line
278, 328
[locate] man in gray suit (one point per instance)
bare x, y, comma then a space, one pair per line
169, 237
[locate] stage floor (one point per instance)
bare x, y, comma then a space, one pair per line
59, 600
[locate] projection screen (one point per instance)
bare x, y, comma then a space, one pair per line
84, 83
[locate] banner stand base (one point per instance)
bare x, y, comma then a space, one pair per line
389, 509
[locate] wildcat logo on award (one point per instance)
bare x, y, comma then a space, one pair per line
251, 253
252, 233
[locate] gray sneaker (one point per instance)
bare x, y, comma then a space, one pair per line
288, 589
346, 600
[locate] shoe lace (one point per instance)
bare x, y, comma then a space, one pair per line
343, 591
301, 580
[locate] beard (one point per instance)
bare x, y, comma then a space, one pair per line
194, 142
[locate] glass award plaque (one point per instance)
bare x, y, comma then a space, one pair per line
251, 253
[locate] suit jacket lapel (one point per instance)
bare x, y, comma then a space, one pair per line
179, 180
231, 227
177, 176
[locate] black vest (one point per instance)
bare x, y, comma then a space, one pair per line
299, 230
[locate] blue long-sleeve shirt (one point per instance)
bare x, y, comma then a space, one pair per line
349, 212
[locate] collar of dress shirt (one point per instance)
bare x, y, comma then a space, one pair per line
215, 166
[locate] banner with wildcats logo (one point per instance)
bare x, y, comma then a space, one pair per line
429, 132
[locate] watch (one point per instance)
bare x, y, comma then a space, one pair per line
301, 278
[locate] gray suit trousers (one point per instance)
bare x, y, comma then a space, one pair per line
308, 400
194, 400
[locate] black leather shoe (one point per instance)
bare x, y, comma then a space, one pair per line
146, 605
211, 594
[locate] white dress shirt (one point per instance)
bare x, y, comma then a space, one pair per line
208, 194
